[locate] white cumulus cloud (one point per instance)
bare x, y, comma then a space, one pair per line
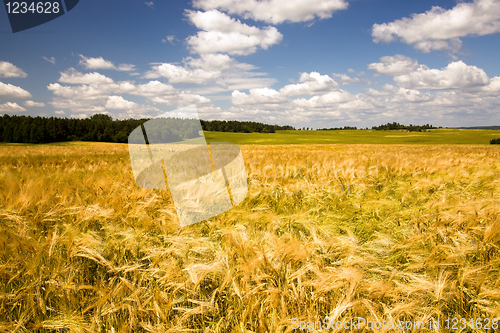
311, 83
94, 93
217, 62
9, 90
394, 65
326, 100
448, 96
181, 75
215, 72
11, 107
9, 70
347, 80
182, 99
257, 96
153, 89
439, 29
221, 33
72, 76
493, 86
119, 103
34, 104
101, 63
79, 93
456, 75
276, 11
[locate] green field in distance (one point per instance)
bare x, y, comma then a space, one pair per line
435, 136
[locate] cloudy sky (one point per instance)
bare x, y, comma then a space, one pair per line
313, 63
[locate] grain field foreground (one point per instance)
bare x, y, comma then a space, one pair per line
389, 232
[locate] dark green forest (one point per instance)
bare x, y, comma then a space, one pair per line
409, 128
241, 126
386, 127
338, 128
102, 128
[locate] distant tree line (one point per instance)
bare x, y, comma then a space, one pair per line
338, 128
398, 126
99, 127
102, 128
495, 141
241, 126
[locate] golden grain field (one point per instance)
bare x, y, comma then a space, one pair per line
393, 232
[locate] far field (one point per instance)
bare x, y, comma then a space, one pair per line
431, 137
435, 136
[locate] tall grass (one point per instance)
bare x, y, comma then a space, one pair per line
393, 232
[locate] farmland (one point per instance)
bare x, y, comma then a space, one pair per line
434, 136
393, 231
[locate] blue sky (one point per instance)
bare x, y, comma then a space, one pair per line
307, 63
